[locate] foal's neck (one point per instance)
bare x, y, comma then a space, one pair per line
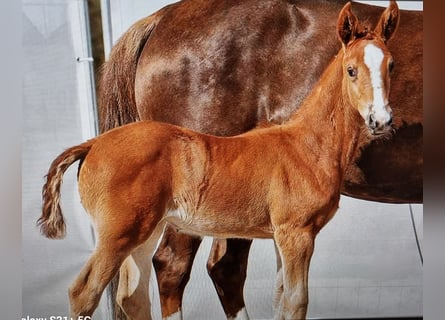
326, 114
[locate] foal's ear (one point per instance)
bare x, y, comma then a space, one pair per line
388, 22
347, 25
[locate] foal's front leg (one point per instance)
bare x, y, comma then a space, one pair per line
295, 247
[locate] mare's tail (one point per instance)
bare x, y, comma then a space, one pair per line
117, 103
51, 222
116, 96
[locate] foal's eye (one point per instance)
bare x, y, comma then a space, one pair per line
352, 72
391, 65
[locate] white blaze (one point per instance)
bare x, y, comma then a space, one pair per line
373, 59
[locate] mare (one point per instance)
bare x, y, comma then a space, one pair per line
281, 182
224, 67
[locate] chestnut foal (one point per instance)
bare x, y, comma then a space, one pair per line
281, 182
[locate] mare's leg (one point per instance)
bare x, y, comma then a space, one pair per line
227, 266
296, 247
116, 241
132, 294
173, 263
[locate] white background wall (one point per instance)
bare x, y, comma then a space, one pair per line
58, 112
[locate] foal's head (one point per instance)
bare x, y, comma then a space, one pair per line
367, 64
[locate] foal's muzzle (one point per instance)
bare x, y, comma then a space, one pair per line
379, 125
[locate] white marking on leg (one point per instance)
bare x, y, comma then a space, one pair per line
130, 275
175, 316
241, 315
373, 59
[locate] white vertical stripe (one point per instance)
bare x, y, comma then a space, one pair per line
373, 59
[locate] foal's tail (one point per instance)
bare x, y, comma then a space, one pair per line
116, 96
51, 222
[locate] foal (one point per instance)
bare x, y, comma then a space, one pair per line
281, 182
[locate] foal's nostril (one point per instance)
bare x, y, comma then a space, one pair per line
389, 121
372, 123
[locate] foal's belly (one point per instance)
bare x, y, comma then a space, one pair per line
225, 224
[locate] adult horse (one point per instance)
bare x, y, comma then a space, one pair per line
224, 67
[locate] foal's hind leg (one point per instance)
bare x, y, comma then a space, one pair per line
86, 290
227, 266
116, 242
279, 280
133, 295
